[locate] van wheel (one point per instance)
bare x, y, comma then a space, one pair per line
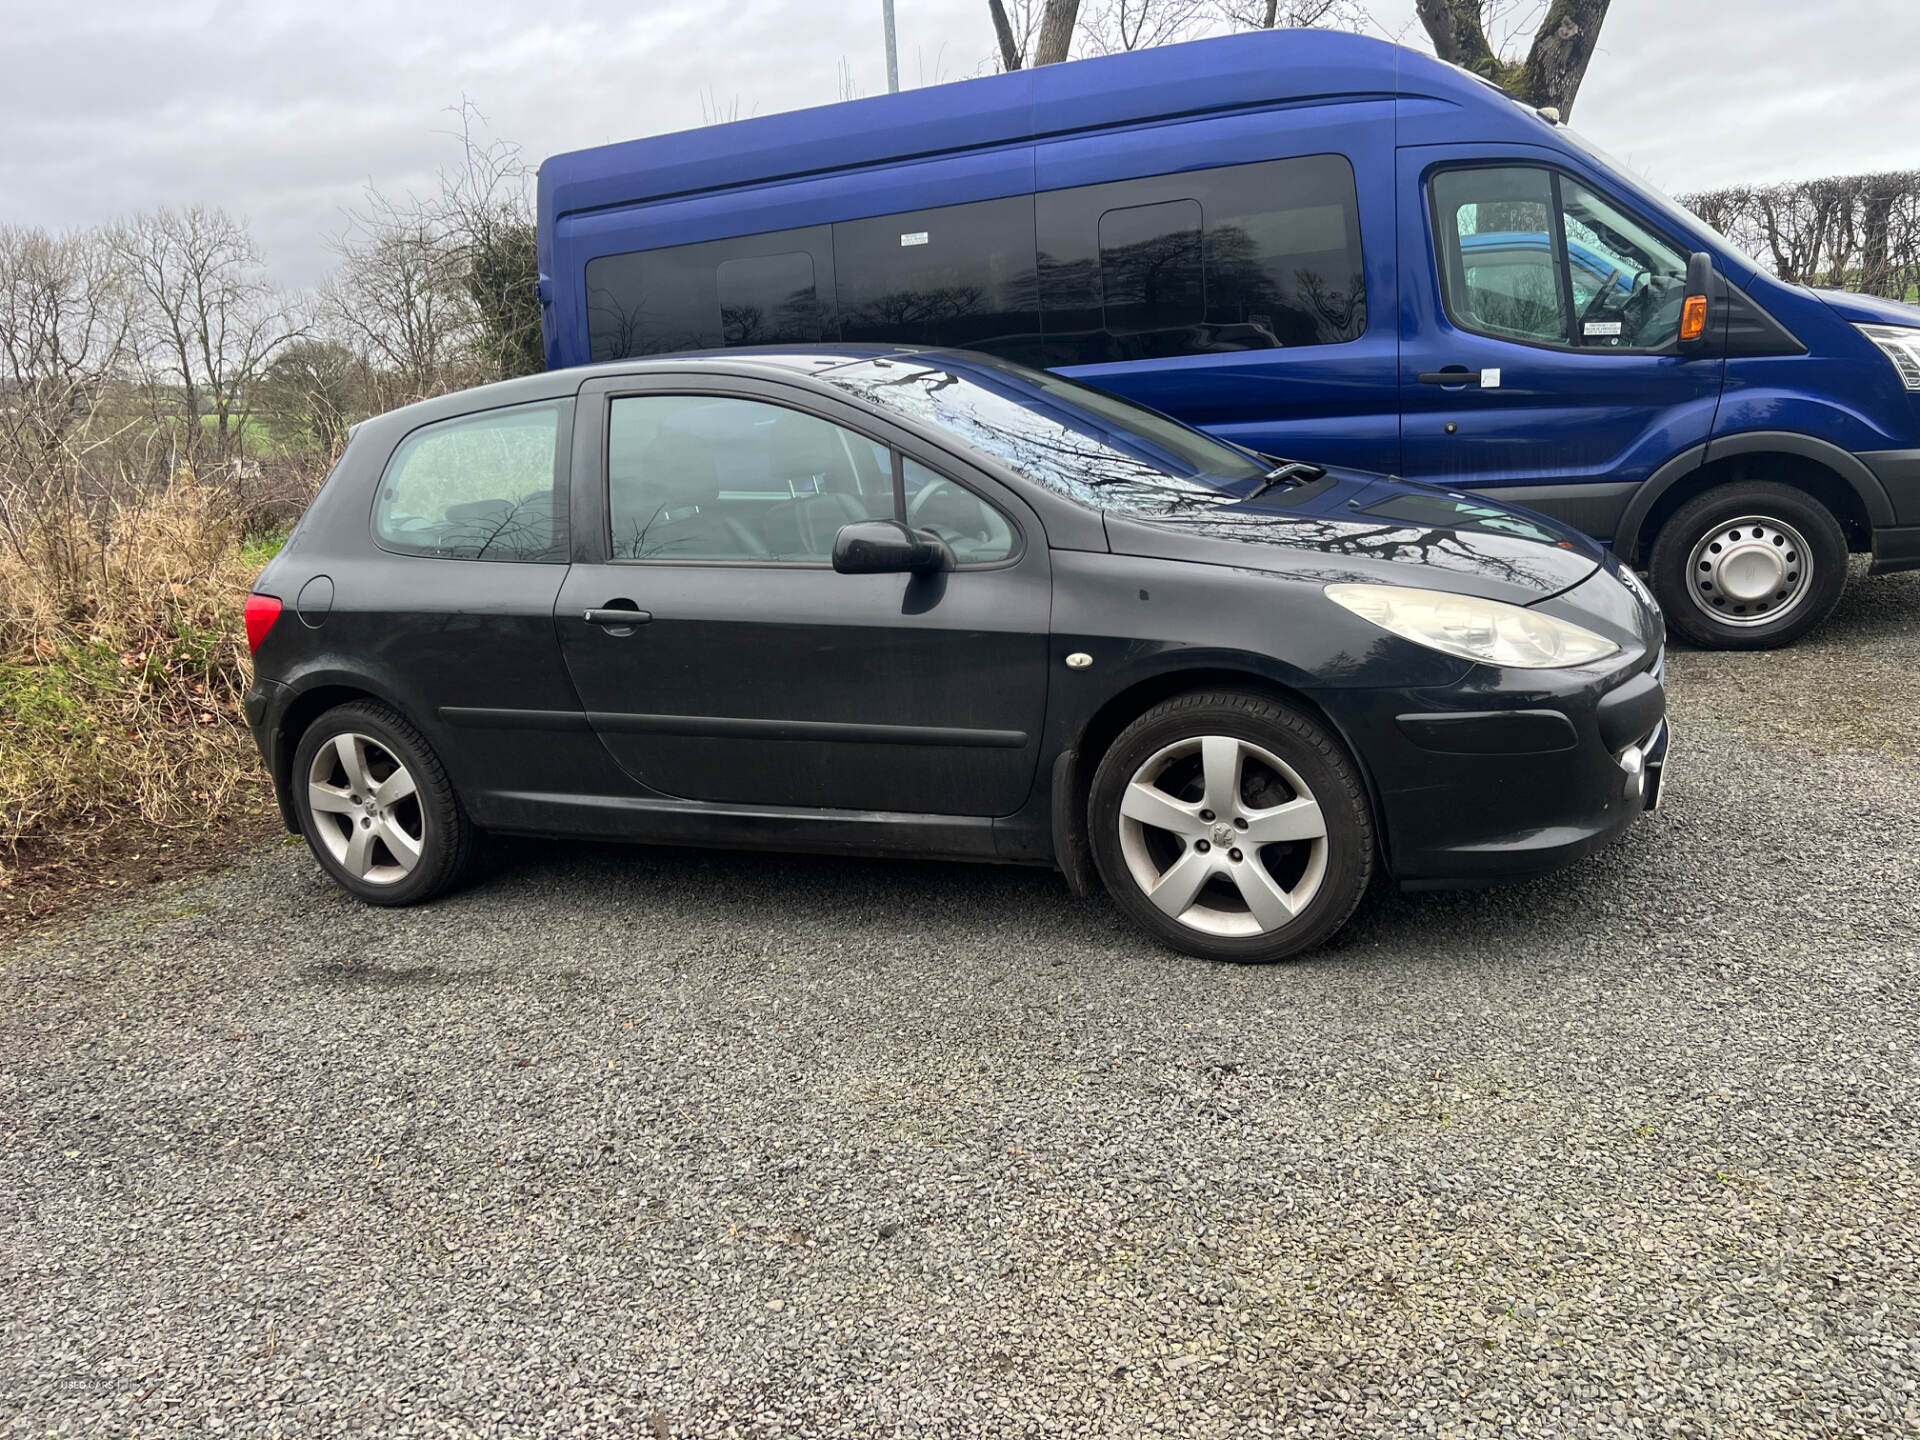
377, 808
1231, 827
1749, 566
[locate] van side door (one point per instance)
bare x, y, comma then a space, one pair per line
1539, 321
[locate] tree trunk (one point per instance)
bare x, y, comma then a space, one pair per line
1056, 31
1010, 56
1555, 65
1457, 35
1562, 46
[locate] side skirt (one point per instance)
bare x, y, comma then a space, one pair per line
684, 822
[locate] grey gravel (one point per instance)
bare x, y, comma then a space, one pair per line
661, 1143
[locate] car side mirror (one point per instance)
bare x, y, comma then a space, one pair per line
886, 547
1697, 310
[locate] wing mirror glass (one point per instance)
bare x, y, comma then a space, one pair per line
886, 547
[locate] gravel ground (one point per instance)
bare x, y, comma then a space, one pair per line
660, 1143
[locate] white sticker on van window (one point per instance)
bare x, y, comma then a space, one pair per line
1603, 327
917, 237
1489, 379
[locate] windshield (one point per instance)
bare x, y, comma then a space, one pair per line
1081, 442
1675, 211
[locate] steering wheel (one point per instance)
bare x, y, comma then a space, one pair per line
1606, 287
929, 500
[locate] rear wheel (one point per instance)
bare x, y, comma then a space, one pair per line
1231, 827
1749, 566
376, 806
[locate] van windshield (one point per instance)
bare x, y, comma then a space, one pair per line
1081, 442
1674, 210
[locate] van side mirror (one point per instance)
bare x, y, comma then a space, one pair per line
1697, 310
886, 547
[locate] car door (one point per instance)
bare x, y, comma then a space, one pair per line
1537, 351
754, 673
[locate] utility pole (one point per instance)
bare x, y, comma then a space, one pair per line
893, 53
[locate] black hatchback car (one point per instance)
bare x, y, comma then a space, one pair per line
892, 601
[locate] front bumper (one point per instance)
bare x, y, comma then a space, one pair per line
1511, 773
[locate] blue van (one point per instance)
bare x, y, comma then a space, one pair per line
1317, 245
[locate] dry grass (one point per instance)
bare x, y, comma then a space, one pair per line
122, 666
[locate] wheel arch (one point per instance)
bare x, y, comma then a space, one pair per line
307, 705
1073, 772
1838, 480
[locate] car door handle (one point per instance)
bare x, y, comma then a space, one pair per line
616, 616
1459, 375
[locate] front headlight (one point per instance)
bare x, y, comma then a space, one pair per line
1482, 630
1901, 345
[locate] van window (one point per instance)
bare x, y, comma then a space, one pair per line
484, 487
775, 288
1239, 257
1629, 285
1150, 270
1527, 254
960, 275
1498, 235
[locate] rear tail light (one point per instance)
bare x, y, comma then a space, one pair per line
262, 611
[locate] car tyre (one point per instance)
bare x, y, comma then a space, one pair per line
1232, 827
1749, 566
377, 809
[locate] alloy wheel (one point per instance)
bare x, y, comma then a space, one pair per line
366, 809
1751, 571
1223, 836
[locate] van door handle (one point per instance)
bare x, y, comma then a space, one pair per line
616, 616
1452, 375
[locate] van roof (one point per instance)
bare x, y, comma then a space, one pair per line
1255, 69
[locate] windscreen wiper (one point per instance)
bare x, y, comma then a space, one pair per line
1287, 472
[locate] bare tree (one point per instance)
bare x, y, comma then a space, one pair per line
1291, 14
209, 320
65, 325
1045, 25
1112, 26
1556, 62
440, 291
399, 299
1846, 232
485, 210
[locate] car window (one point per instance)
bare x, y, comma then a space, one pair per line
485, 487
710, 477
1530, 255
977, 533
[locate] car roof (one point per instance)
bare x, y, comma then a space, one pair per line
774, 362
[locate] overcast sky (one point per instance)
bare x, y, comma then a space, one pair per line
283, 110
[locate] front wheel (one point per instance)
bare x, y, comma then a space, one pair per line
1749, 566
1231, 827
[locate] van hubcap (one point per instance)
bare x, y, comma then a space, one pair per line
1223, 836
366, 809
1749, 571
